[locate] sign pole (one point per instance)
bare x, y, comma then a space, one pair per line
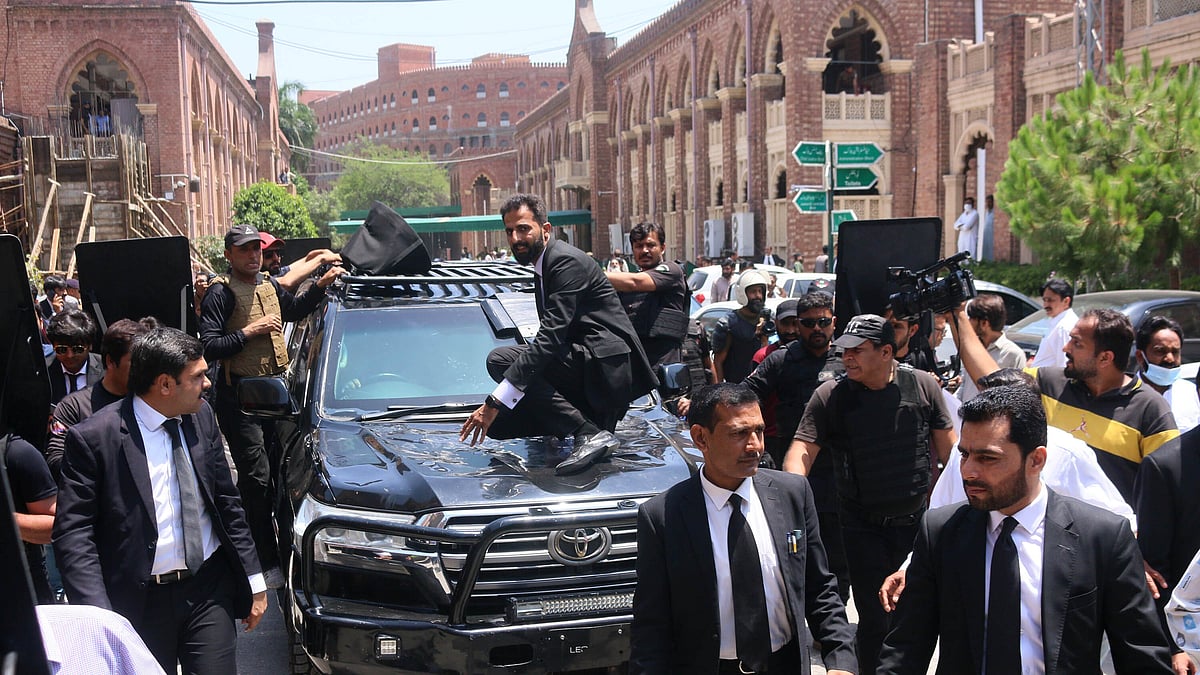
830, 148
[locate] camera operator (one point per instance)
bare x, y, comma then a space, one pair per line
735, 339
987, 316
912, 343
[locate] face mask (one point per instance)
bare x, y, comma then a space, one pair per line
967, 208
1163, 377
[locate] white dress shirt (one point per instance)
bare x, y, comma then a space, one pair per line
1050, 351
168, 553
1183, 611
84, 640
716, 504
80, 378
1030, 539
1071, 469
506, 392
1185, 404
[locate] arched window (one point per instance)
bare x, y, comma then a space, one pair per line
447, 149
481, 91
521, 85
503, 90
504, 119
430, 96
416, 125
433, 123
103, 97
560, 85
481, 120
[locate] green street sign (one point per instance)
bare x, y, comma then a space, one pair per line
854, 178
840, 217
856, 154
809, 153
811, 201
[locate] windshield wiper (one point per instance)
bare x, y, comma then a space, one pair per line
399, 411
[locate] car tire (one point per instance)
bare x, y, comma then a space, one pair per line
299, 661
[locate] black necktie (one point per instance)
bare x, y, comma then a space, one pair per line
73, 380
189, 499
1003, 643
750, 623
537, 292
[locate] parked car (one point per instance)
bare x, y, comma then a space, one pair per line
796, 284
709, 315
1138, 305
407, 549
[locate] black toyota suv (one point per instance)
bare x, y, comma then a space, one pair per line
408, 549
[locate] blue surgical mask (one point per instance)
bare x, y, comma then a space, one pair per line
1163, 377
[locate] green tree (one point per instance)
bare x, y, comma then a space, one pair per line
268, 206
392, 176
323, 207
1109, 182
297, 122
212, 248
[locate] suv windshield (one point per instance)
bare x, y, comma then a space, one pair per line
419, 355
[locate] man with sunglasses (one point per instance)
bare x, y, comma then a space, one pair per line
291, 276
73, 366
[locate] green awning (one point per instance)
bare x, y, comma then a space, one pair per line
470, 223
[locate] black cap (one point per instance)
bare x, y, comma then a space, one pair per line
866, 327
240, 234
787, 309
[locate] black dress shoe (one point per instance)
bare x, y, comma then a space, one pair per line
589, 448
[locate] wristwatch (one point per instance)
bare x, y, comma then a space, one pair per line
491, 402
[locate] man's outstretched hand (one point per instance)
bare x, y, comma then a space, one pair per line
477, 424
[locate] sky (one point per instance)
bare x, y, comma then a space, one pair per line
333, 45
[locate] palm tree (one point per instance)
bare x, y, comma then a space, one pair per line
297, 122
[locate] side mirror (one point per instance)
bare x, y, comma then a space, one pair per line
266, 397
674, 379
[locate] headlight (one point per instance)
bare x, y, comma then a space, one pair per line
335, 545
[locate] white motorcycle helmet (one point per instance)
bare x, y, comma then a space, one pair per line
750, 278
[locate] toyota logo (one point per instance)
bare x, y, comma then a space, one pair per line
579, 546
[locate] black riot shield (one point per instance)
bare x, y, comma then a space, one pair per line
132, 278
296, 249
24, 383
867, 248
386, 245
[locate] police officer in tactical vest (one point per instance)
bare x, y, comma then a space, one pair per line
886, 424
241, 326
655, 297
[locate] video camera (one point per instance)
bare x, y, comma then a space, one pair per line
937, 296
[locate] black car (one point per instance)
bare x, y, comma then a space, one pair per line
1139, 305
408, 549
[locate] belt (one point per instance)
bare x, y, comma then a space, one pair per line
784, 659
170, 577
880, 520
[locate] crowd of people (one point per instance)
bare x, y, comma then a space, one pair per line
993, 513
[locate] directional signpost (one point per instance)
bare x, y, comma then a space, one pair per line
856, 154
854, 178
812, 201
846, 166
809, 153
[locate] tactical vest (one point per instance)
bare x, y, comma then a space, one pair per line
800, 376
692, 352
881, 453
743, 343
262, 354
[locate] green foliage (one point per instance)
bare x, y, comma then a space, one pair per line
412, 184
297, 122
1107, 186
323, 207
1027, 279
212, 248
269, 207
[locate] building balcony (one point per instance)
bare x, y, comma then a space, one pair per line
571, 175
857, 111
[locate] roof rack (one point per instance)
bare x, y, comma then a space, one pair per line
445, 279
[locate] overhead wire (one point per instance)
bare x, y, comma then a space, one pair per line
350, 158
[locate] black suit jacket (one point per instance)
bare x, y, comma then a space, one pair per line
1092, 583
58, 383
105, 530
676, 622
581, 312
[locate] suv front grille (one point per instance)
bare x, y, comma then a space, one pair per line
520, 566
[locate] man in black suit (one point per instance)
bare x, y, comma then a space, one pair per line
693, 552
1021, 579
577, 377
149, 522
73, 365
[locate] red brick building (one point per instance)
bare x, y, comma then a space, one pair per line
152, 70
464, 116
692, 122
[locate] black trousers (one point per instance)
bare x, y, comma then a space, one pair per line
555, 403
191, 622
247, 445
873, 552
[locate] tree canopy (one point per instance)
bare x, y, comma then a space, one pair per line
394, 177
269, 207
1108, 182
297, 122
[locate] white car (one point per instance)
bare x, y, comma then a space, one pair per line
702, 278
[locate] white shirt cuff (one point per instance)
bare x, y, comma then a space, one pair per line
257, 584
507, 394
